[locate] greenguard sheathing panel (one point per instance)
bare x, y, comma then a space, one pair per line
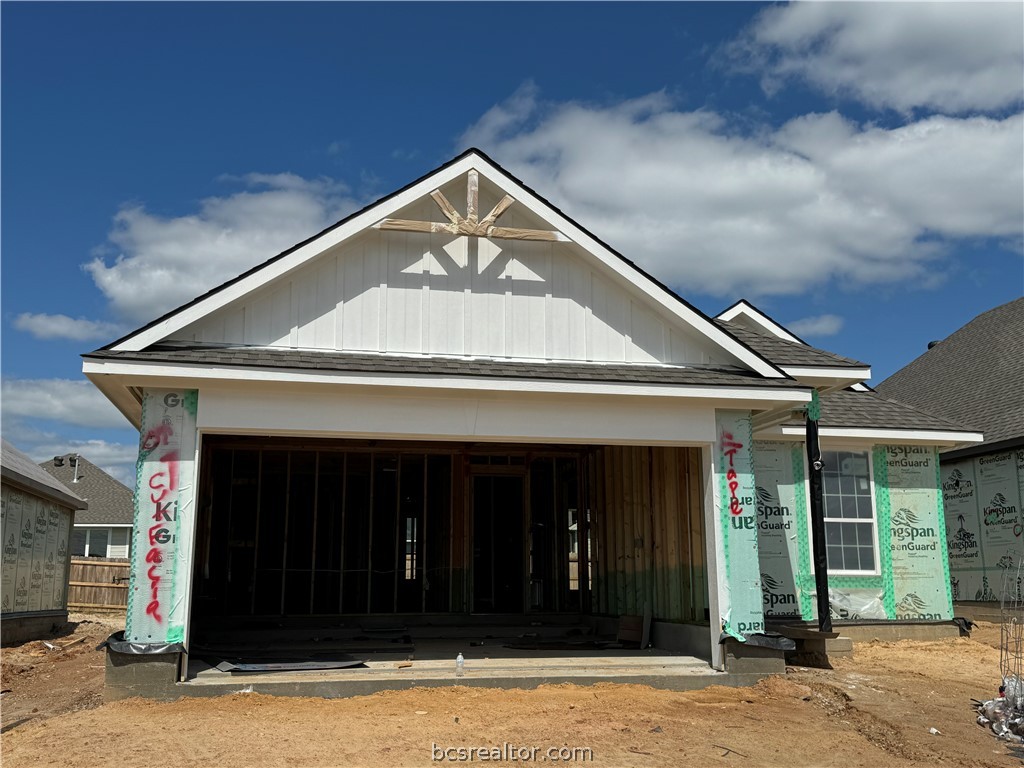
883, 517
34, 532
165, 481
916, 537
983, 498
963, 528
778, 526
740, 602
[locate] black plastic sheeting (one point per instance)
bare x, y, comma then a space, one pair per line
964, 624
117, 644
767, 640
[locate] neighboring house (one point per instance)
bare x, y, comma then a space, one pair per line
37, 514
419, 410
976, 377
104, 530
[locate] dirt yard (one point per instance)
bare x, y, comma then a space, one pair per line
873, 709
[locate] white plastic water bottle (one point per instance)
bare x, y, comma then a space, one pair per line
460, 666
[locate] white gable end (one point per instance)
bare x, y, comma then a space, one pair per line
439, 294
403, 276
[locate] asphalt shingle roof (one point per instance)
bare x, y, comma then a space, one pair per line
259, 357
869, 410
110, 501
975, 376
16, 467
788, 353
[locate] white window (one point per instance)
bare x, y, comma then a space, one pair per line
849, 512
101, 542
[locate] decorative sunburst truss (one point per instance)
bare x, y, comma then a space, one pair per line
471, 224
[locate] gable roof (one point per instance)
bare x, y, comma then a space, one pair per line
18, 468
788, 353
110, 501
743, 308
474, 159
974, 376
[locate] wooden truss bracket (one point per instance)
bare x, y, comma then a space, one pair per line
470, 224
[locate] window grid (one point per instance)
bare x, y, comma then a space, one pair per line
849, 512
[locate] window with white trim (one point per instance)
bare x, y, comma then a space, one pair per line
101, 542
849, 512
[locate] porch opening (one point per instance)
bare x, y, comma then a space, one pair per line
382, 546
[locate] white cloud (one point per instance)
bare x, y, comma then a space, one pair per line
821, 325
162, 262
62, 400
951, 57
821, 198
111, 455
505, 116
44, 326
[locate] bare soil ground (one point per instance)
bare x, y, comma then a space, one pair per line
874, 709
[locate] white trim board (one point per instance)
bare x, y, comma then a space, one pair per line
824, 372
876, 435
191, 373
752, 313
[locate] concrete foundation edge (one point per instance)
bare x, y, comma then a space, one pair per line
18, 629
890, 633
155, 677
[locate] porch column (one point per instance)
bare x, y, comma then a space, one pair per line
730, 510
164, 525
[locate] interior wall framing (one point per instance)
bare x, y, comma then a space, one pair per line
647, 532
259, 554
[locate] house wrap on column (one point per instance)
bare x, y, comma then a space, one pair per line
458, 403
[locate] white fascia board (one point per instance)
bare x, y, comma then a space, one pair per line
296, 258
122, 399
663, 298
103, 525
823, 373
753, 313
878, 435
183, 373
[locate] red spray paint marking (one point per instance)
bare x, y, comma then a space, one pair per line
730, 445
163, 482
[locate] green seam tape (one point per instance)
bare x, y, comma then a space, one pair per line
884, 505
814, 407
803, 577
943, 546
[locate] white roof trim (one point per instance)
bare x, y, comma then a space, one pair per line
362, 221
743, 307
824, 372
943, 437
184, 372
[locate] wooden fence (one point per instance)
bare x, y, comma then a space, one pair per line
98, 585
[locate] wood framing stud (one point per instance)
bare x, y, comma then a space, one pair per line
470, 225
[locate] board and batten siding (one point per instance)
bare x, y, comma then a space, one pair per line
442, 294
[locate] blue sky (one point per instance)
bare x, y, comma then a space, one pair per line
856, 170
